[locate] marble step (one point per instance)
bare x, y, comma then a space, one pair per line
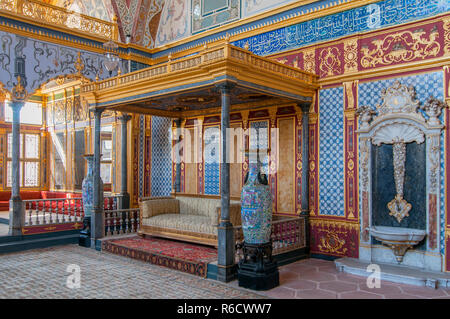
21, 243
396, 273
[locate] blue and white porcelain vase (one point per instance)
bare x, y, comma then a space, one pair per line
256, 207
88, 187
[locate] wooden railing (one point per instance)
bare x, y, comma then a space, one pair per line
121, 221
60, 210
53, 211
206, 57
288, 234
51, 15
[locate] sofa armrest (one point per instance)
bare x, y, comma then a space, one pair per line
155, 207
235, 214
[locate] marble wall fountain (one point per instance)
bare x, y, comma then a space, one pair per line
397, 229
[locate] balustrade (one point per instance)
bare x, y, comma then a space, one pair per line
121, 221
57, 16
60, 210
53, 211
287, 234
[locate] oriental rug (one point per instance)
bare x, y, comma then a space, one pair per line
185, 257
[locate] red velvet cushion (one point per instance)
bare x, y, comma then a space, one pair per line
4, 205
30, 195
5, 196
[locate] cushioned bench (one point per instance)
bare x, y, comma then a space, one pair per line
192, 218
5, 196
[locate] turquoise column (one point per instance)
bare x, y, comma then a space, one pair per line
16, 208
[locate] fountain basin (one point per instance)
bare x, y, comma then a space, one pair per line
398, 238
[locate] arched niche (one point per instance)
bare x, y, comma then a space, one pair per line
399, 123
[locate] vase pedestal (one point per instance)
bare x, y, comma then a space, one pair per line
257, 270
85, 234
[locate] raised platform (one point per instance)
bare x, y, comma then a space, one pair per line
394, 273
185, 257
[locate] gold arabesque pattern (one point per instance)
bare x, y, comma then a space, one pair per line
57, 16
403, 46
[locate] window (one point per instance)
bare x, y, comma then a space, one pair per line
106, 151
31, 113
29, 160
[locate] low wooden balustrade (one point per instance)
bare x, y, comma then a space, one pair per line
288, 234
121, 221
60, 210
53, 211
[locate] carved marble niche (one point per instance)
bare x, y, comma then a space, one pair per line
400, 120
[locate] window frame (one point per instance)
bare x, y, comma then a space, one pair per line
24, 160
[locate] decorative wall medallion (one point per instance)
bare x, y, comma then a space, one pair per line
398, 99
329, 62
332, 243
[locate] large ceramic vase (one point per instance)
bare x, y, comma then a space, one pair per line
256, 207
88, 188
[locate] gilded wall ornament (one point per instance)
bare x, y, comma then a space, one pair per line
446, 36
331, 243
399, 207
403, 46
351, 55
18, 92
433, 109
329, 61
309, 60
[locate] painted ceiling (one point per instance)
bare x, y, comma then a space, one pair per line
153, 23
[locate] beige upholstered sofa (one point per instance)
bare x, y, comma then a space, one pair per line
185, 217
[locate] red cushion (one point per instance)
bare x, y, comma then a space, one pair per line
4, 205
5, 195
24, 195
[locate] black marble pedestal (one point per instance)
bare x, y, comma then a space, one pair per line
257, 270
85, 233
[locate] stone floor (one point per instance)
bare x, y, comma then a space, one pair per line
319, 279
43, 273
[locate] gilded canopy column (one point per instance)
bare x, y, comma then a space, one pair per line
125, 196
2, 140
245, 115
226, 271
198, 154
97, 218
16, 207
177, 155
273, 156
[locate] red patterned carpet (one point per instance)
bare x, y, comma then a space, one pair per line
177, 255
